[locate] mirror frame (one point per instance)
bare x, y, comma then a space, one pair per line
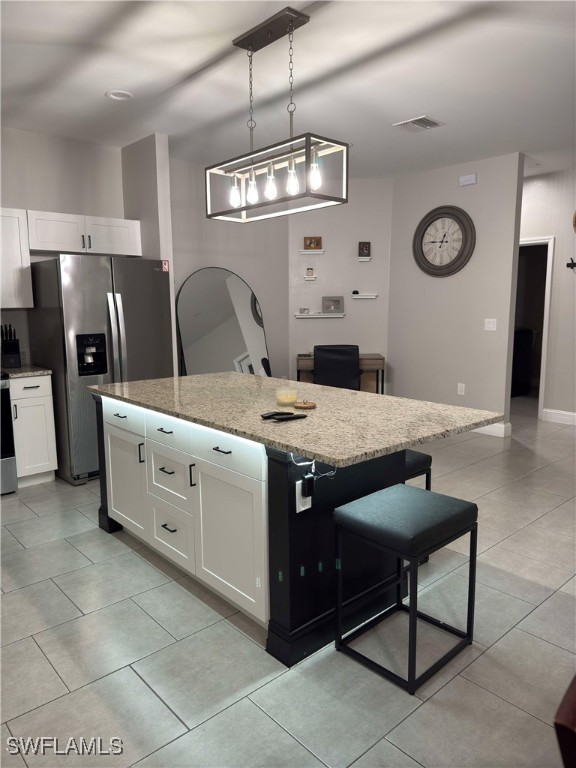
254, 306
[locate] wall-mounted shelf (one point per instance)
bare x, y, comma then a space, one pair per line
308, 277
364, 295
309, 252
315, 315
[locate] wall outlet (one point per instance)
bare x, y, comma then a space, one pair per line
461, 389
489, 325
24, 359
302, 502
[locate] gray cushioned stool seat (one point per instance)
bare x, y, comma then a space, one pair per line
417, 463
407, 524
406, 519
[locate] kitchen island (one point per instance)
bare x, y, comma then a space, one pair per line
352, 442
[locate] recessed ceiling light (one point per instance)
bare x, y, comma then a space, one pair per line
119, 95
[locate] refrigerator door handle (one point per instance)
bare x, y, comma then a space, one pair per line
115, 351
122, 330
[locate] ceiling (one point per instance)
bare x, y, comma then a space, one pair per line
500, 76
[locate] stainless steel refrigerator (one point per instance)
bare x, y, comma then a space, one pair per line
96, 320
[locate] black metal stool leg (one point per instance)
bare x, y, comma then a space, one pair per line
472, 582
429, 480
412, 625
339, 596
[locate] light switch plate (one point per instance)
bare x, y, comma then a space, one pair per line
465, 181
490, 324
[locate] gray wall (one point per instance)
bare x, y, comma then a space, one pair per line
366, 217
52, 173
436, 326
548, 205
257, 252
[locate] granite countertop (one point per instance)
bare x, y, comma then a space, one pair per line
346, 427
26, 370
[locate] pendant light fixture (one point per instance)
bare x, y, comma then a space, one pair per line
298, 174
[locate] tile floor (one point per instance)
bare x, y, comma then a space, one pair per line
103, 638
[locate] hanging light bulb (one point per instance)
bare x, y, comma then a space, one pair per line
252, 193
292, 184
270, 191
235, 196
315, 175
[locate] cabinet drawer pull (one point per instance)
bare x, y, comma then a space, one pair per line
192, 484
140, 459
15, 411
118, 416
166, 471
165, 431
35, 386
170, 530
221, 451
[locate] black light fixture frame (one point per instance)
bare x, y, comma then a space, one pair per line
301, 147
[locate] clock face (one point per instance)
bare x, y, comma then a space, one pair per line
444, 241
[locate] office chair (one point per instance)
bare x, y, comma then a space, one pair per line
337, 365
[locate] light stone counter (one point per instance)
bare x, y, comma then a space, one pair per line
346, 427
26, 370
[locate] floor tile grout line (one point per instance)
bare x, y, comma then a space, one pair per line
52, 665
147, 684
507, 701
292, 736
176, 640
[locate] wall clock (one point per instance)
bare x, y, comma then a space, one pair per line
444, 241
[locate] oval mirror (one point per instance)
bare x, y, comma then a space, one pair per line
220, 325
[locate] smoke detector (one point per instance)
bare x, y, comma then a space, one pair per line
417, 124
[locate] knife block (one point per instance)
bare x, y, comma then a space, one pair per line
11, 354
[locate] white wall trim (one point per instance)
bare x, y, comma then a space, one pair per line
559, 417
502, 429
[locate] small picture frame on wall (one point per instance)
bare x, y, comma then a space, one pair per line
364, 250
313, 243
332, 304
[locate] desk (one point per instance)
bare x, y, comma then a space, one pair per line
371, 371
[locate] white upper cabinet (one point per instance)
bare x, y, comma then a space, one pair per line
83, 234
15, 259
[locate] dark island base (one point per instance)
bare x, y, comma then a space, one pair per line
301, 553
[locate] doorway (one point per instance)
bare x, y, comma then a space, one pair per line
531, 319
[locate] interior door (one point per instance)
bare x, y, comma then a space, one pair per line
142, 292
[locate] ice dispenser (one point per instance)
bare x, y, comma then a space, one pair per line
91, 354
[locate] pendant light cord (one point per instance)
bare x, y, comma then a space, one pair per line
291, 106
251, 123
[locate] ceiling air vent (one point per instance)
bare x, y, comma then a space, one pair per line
417, 124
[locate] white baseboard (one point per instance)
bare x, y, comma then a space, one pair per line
560, 417
502, 429
41, 477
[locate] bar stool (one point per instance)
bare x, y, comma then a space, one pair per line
418, 463
407, 523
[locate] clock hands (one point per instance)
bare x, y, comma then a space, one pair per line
437, 241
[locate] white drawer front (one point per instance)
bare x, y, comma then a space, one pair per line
30, 386
172, 533
169, 431
229, 451
170, 474
124, 415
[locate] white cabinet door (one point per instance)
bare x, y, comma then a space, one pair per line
64, 232
230, 533
34, 438
113, 236
56, 231
126, 479
15, 259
